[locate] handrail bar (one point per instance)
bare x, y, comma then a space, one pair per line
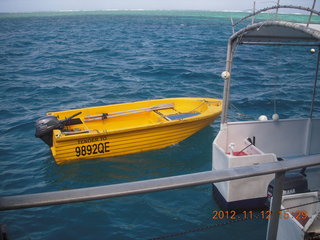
276, 7
152, 185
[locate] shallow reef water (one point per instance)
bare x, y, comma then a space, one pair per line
62, 61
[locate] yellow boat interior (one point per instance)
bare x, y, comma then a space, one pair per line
123, 117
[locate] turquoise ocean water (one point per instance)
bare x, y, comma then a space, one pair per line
58, 61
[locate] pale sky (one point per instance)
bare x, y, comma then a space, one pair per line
89, 5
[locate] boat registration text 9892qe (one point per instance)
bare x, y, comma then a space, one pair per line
92, 149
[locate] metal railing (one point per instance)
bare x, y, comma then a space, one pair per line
277, 7
161, 184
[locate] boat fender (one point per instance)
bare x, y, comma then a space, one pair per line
225, 75
275, 117
263, 118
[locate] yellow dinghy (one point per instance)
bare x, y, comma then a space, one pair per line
120, 129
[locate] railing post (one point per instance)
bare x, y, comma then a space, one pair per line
275, 207
253, 11
315, 84
313, 5
278, 4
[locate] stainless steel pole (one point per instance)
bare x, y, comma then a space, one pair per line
278, 4
253, 11
309, 20
275, 207
315, 83
152, 185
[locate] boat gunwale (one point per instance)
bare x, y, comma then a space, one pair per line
201, 117
151, 100
134, 129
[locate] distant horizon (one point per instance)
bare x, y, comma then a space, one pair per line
138, 9
150, 10
21, 6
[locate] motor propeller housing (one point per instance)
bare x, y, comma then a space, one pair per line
46, 125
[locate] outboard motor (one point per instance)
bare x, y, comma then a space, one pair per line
46, 125
293, 183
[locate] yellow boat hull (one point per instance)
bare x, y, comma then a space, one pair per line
137, 127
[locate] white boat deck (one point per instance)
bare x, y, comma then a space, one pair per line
288, 138
300, 216
282, 139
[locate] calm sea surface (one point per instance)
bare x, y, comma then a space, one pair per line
59, 61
